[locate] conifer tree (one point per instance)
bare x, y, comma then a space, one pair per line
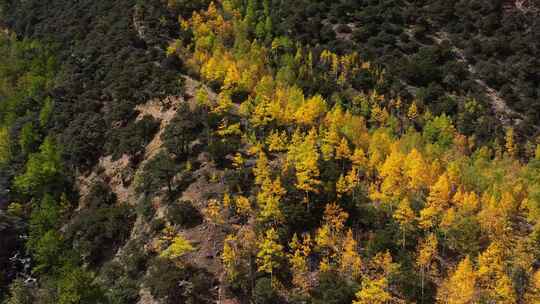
460, 287
270, 252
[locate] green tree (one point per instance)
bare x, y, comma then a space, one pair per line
28, 138
43, 170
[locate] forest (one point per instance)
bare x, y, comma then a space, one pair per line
269, 151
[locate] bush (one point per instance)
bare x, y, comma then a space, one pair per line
183, 213
333, 290
132, 139
343, 29
174, 284
97, 233
264, 293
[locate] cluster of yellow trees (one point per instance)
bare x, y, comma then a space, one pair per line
467, 214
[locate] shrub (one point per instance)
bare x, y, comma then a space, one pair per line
183, 213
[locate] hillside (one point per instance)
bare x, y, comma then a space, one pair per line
261, 151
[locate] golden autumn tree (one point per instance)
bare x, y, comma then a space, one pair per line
178, 248
214, 212
262, 169
373, 291
412, 112
270, 252
343, 151
305, 157
269, 199
393, 181
300, 251
492, 276
230, 258
460, 287
532, 294
350, 263
242, 205
330, 141
311, 111
406, 218
329, 235
416, 170
510, 142
427, 253
438, 200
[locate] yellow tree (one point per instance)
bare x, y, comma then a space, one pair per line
373, 291
242, 204
261, 170
343, 152
533, 291
492, 274
330, 141
427, 252
329, 235
412, 113
230, 258
178, 248
416, 169
359, 159
510, 142
305, 157
393, 182
270, 252
437, 201
311, 111
269, 198
300, 251
214, 212
405, 217
460, 287
350, 262
277, 141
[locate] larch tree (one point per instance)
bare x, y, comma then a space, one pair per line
393, 181
330, 234
437, 201
510, 142
178, 248
306, 163
350, 262
416, 169
298, 260
373, 291
269, 199
492, 275
406, 218
460, 287
270, 252
427, 253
